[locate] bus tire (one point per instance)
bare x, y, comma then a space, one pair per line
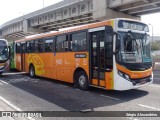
82, 80
31, 71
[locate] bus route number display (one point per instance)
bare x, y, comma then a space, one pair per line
133, 25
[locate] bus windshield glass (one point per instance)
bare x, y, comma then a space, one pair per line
134, 48
3, 52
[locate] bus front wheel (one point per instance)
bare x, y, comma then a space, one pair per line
31, 71
82, 80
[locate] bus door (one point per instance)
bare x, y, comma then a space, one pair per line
23, 49
98, 55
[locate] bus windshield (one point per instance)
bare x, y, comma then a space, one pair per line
134, 48
3, 52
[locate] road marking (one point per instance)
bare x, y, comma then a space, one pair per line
156, 78
34, 81
131, 118
4, 82
1, 84
78, 89
153, 85
109, 97
149, 107
17, 80
13, 106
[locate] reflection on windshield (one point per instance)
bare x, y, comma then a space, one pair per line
3, 52
135, 48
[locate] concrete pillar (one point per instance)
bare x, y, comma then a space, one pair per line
102, 12
25, 26
99, 9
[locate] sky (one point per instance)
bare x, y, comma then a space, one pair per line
10, 9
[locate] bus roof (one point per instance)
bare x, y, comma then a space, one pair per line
87, 26
76, 28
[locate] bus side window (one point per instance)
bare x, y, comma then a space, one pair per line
30, 47
23, 47
109, 51
49, 45
78, 42
18, 48
39, 46
62, 43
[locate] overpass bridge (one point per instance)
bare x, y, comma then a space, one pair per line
69, 13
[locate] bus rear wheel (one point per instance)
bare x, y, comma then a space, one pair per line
31, 71
82, 80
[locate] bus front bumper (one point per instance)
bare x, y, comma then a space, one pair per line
123, 84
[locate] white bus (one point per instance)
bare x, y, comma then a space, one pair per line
4, 56
113, 54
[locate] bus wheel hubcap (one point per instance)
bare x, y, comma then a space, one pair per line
31, 72
82, 80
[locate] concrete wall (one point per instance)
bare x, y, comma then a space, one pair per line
101, 11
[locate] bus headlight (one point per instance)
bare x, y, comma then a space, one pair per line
120, 73
124, 75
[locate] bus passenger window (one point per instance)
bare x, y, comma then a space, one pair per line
23, 47
61, 44
18, 48
78, 42
49, 45
30, 47
38, 46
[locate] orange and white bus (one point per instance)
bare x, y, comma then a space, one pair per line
113, 55
4, 56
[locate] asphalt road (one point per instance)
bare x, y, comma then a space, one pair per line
41, 94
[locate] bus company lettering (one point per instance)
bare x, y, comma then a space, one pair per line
37, 62
84, 62
67, 63
59, 61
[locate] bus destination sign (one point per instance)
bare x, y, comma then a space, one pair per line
133, 25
